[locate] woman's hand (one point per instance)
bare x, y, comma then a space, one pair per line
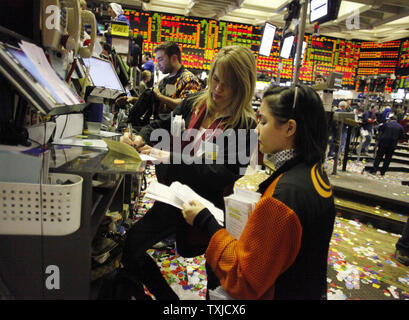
161, 155
132, 140
191, 210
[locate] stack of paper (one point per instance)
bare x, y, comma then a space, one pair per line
176, 194
239, 206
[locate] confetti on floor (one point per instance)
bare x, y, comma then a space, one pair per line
361, 265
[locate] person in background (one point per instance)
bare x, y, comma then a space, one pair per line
137, 51
341, 108
319, 79
389, 135
116, 13
179, 82
106, 51
146, 77
385, 114
282, 252
147, 64
368, 121
224, 105
402, 246
83, 5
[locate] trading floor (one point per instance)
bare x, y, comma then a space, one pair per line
359, 248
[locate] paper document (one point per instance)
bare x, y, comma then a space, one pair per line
37, 56
219, 294
108, 134
176, 194
239, 206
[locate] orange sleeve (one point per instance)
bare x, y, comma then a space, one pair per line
248, 268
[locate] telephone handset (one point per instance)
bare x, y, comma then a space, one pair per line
89, 18
61, 24
73, 25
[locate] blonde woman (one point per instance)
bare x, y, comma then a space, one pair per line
221, 110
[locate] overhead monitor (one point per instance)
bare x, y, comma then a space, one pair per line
32, 75
286, 47
304, 46
267, 39
324, 10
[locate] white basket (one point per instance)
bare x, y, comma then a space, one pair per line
21, 211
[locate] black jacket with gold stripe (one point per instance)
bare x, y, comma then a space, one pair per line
283, 250
306, 191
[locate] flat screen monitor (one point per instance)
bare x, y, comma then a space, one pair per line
334, 80
121, 45
267, 39
102, 74
324, 10
37, 81
286, 47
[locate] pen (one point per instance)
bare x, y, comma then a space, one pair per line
142, 145
130, 130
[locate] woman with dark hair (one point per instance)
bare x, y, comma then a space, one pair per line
283, 250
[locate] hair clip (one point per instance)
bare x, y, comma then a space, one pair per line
295, 97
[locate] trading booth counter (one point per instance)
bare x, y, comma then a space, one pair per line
59, 267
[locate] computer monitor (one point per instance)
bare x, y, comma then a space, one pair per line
334, 80
121, 45
103, 77
37, 81
267, 39
287, 47
324, 10
102, 73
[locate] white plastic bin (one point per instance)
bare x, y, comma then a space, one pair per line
50, 209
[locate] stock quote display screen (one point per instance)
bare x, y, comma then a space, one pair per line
200, 39
402, 69
380, 60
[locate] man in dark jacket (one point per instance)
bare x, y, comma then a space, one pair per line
368, 121
390, 133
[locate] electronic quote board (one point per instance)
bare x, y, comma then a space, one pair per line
378, 60
402, 68
200, 39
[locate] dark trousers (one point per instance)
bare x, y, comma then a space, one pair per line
159, 222
386, 152
403, 242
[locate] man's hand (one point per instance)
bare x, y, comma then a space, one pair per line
191, 210
121, 101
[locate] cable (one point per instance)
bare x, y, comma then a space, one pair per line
41, 211
65, 124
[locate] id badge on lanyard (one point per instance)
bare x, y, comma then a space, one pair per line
210, 150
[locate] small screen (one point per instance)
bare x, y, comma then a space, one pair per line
102, 73
318, 9
267, 40
121, 45
21, 57
287, 46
